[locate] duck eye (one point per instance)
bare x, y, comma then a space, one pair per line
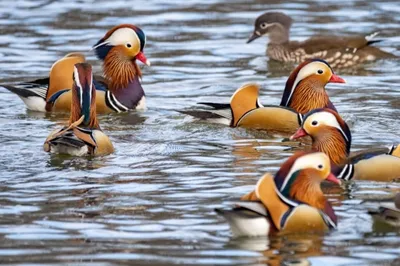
128, 45
320, 71
314, 123
320, 166
263, 25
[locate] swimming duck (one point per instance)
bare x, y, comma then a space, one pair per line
339, 51
290, 202
83, 135
304, 91
118, 91
330, 134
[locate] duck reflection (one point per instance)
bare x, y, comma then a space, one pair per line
290, 249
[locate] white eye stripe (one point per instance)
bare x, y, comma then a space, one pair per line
312, 160
100, 44
328, 119
266, 25
78, 83
306, 71
123, 36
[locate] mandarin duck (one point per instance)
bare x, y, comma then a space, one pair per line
83, 135
330, 134
340, 52
290, 202
118, 91
304, 91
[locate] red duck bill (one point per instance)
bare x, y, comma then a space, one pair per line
336, 79
142, 58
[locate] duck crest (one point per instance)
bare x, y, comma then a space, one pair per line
102, 47
84, 97
289, 87
282, 176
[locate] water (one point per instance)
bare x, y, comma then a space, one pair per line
152, 201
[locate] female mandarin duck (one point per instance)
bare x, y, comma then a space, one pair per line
304, 91
290, 202
120, 89
83, 135
340, 52
331, 135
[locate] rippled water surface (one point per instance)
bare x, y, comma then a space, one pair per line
152, 201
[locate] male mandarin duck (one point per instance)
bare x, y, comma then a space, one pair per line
120, 90
83, 135
290, 202
304, 91
340, 52
330, 134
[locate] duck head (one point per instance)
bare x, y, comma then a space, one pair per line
276, 25
127, 39
305, 87
329, 133
83, 96
300, 177
118, 50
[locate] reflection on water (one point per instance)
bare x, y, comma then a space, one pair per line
152, 201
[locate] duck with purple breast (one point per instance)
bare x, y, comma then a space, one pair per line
118, 90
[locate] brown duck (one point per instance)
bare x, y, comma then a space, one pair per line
339, 51
330, 134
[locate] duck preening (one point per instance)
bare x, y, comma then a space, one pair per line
339, 51
330, 134
119, 89
290, 202
83, 135
304, 91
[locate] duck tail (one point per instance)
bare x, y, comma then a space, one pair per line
370, 38
32, 93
